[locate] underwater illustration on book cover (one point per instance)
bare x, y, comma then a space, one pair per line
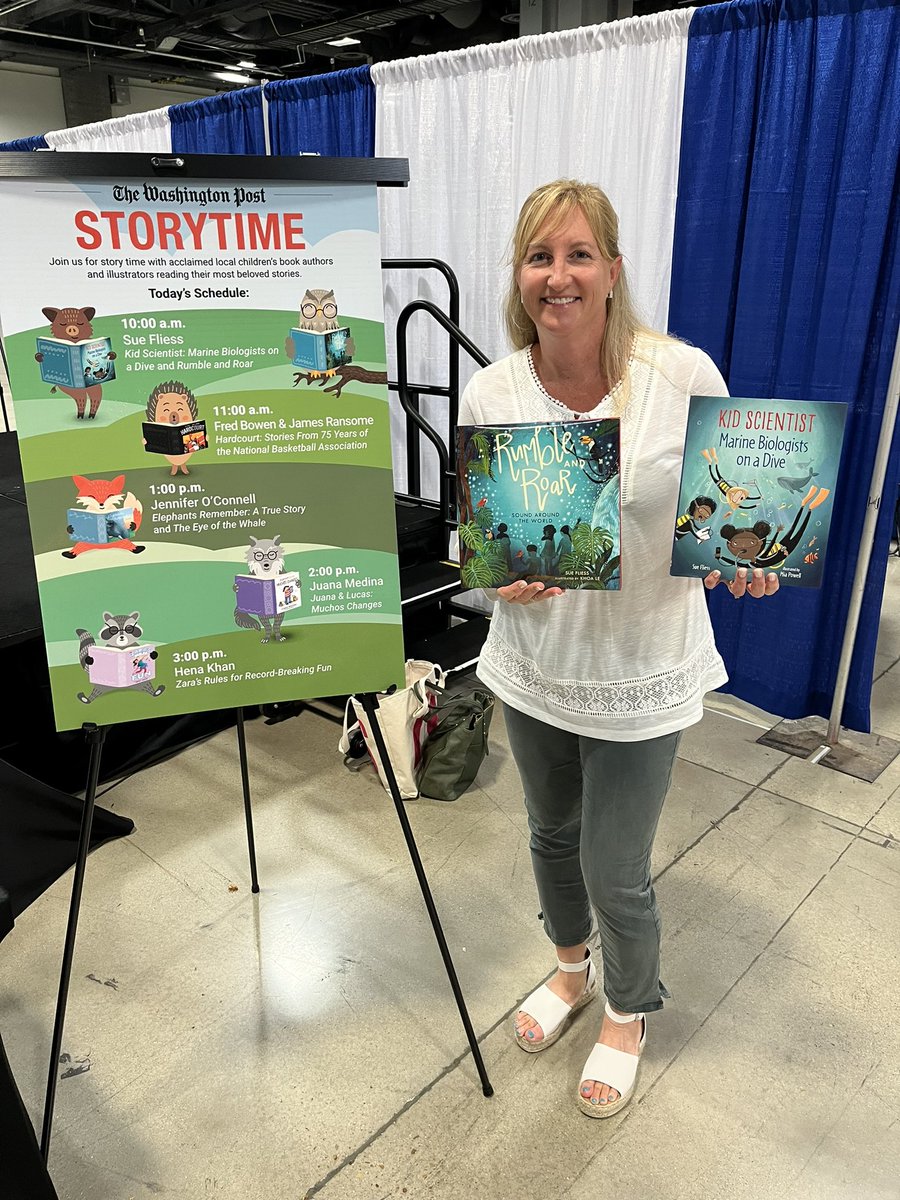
540, 502
757, 487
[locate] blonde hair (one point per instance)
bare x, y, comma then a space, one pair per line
545, 210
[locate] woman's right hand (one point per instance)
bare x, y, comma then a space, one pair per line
521, 592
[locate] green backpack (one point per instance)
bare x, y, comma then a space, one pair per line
456, 745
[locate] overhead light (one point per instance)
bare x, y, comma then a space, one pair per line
249, 65
231, 76
344, 41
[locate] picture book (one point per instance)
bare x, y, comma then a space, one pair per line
267, 597
174, 439
99, 527
111, 666
540, 502
321, 351
76, 364
757, 487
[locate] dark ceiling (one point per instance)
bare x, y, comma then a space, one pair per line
187, 40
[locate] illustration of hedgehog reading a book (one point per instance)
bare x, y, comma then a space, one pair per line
120, 660
73, 360
107, 520
267, 592
172, 428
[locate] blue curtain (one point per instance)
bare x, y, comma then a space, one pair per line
786, 270
332, 115
38, 142
231, 123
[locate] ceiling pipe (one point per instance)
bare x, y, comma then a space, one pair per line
58, 37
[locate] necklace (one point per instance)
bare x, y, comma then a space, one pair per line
610, 395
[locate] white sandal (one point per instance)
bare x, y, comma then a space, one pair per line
616, 1068
550, 1011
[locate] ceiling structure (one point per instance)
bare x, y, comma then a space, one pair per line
190, 41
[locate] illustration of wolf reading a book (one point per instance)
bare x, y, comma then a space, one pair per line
540, 502
267, 592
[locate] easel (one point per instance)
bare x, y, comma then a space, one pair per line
96, 735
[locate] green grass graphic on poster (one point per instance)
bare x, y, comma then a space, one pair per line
205, 439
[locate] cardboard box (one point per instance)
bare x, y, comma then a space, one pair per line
267, 597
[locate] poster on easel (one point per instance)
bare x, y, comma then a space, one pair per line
199, 378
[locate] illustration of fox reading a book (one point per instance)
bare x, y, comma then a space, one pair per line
107, 520
120, 660
73, 360
268, 591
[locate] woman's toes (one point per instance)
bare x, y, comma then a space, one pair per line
528, 1028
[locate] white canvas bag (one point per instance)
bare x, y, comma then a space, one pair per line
403, 721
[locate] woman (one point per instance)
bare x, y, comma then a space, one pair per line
597, 686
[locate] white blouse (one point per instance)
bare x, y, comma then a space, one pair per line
624, 665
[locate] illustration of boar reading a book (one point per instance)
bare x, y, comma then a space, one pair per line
73, 360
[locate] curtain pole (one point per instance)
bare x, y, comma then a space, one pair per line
867, 537
265, 118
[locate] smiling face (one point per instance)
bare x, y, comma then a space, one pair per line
564, 279
172, 408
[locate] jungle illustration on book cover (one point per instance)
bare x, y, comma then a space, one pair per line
540, 502
757, 487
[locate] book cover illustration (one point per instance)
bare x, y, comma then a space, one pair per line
73, 360
757, 487
540, 502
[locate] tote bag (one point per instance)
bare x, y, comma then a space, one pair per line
404, 717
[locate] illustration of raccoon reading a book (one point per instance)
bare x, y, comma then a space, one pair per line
120, 660
267, 592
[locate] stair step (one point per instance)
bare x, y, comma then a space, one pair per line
455, 648
428, 581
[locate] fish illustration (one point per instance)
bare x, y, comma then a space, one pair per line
811, 542
811, 558
482, 502
796, 483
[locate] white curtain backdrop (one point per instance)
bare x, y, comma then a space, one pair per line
147, 132
482, 128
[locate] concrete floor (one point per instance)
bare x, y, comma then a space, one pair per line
305, 1042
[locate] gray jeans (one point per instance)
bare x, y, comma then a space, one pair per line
593, 807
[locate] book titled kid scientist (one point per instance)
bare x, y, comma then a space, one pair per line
540, 502
757, 487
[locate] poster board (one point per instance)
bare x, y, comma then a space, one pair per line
212, 519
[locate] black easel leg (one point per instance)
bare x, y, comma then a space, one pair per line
370, 707
248, 812
96, 735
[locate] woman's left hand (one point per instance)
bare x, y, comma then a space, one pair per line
746, 583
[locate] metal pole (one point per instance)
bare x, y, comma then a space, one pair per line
867, 537
248, 812
95, 735
370, 707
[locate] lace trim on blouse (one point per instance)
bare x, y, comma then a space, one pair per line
611, 395
653, 695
